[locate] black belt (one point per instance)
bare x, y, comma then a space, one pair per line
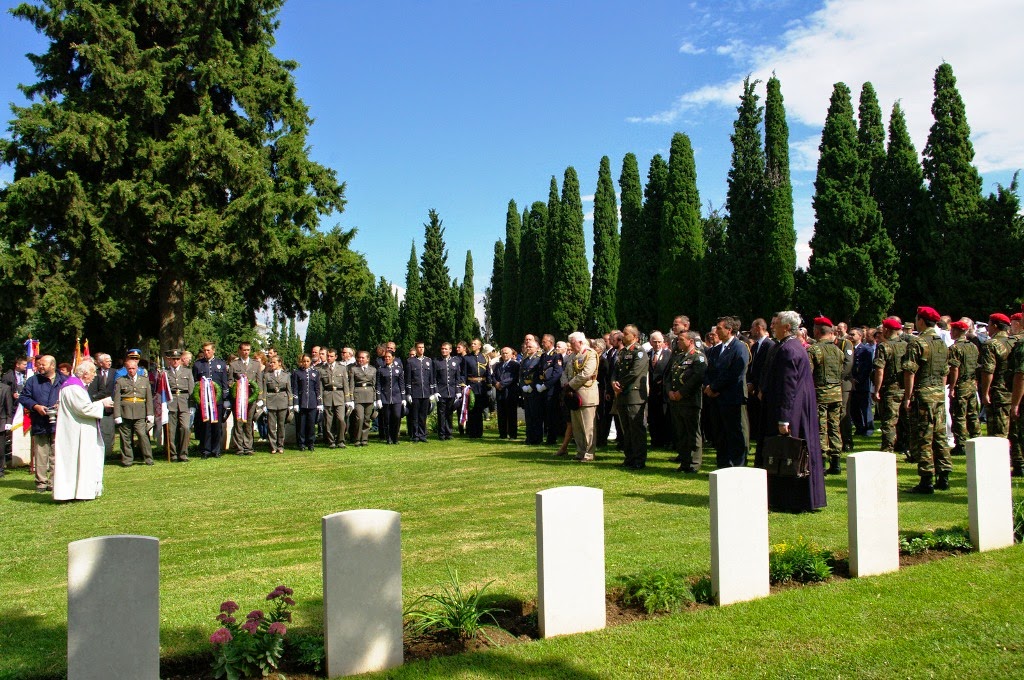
179, 391
275, 391
331, 389
364, 384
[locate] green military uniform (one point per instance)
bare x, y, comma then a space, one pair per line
995, 360
928, 359
889, 358
845, 421
686, 376
827, 365
963, 400
133, 410
1016, 441
631, 373
1017, 366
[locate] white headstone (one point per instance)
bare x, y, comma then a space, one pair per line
114, 608
873, 513
989, 493
570, 560
362, 562
739, 534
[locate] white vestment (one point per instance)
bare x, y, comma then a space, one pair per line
78, 447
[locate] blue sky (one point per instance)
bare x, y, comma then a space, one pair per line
461, 106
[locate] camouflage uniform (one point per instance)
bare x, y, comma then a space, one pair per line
963, 402
686, 376
995, 360
889, 358
1017, 366
928, 358
1016, 441
827, 368
845, 421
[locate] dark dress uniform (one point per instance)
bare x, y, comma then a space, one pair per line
657, 408
605, 366
181, 384
391, 395
211, 435
553, 364
277, 395
533, 401
7, 409
631, 374
447, 376
133, 405
419, 390
475, 372
685, 375
334, 384
758, 355
308, 398
506, 385
364, 393
100, 388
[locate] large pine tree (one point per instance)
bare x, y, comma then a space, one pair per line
954, 191
649, 244
778, 244
511, 275
604, 282
571, 276
682, 245
437, 312
745, 203
495, 292
631, 292
531, 288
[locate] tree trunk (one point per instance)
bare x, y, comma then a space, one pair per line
172, 311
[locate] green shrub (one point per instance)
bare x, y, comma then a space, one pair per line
955, 539
451, 612
800, 561
703, 592
306, 651
658, 591
1018, 520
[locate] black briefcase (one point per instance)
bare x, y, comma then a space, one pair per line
786, 456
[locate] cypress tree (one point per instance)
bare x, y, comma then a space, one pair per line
954, 191
997, 283
467, 325
316, 330
778, 248
291, 349
436, 321
649, 243
511, 275
531, 288
903, 202
570, 271
551, 239
605, 279
382, 316
496, 291
631, 293
409, 311
871, 136
745, 203
717, 277
682, 246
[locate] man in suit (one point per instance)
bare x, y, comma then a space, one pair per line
209, 425
727, 389
335, 385
631, 391
7, 409
506, 390
763, 343
581, 378
100, 388
245, 365
180, 383
657, 405
420, 391
133, 413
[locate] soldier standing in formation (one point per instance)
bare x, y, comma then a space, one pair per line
925, 368
996, 379
684, 384
475, 371
827, 367
888, 381
133, 413
420, 391
335, 385
364, 393
209, 423
180, 383
507, 392
307, 402
245, 365
447, 375
277, 393
630, 385
550, 380
390, 398
533, 401
963, 387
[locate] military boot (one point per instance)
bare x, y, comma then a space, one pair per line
942, 481
1017, 470
924, 486
833, 468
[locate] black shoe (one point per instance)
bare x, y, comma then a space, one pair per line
149, 462
833, 468
687, 470
1017, 471
637, 466
942, 482
217, 455
924, 486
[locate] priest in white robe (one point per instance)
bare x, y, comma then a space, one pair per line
78, 445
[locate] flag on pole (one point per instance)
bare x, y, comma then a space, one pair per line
31, 352
85, 349
163, 391
78, 355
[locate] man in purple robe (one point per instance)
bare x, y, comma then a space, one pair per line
790, 408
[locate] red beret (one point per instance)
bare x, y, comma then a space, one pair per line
928, 313
1000, 317
1016, 317
893, 323
823, 321
959, 325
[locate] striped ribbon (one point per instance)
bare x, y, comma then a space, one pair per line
207, 400
464, 411
242, 398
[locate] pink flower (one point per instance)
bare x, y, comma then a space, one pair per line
286, 590
289, 601
251, 626
221, 636
229, 607
255, 615
224, 618
277, 628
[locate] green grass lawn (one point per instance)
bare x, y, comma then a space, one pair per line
236, 527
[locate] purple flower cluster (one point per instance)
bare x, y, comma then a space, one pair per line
279, 591
277, 628
224, 618
229, 607
221, 636
251, 626
255, 615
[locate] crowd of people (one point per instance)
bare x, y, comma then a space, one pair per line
782, 381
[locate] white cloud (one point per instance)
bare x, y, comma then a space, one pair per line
897, 46
689, 48
803, 154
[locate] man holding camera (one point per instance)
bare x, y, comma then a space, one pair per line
39, 397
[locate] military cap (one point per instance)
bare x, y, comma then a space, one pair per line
823, 321
1016, 317
999, 317
959, 325
134, 354
892, 323
173, 354
928, 313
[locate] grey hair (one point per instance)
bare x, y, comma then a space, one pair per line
791, 319
578, 336
84, 367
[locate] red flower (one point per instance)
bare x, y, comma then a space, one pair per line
229, 607
277, 628
221, 636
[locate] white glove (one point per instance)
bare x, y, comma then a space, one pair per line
527, 388
408, 400
259, 403
433, 398
7, 427
295, 408
107, 402
378, 403
319, 407
542, 388
149, 419
437, 396
350, 404
227, 404
118, 421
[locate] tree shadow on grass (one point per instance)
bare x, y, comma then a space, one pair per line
495, 663
31, 648
692, 500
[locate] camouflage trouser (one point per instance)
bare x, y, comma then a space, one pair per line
964, 411
1016, 443
889, 416
829, 416
928, 436
998, 420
